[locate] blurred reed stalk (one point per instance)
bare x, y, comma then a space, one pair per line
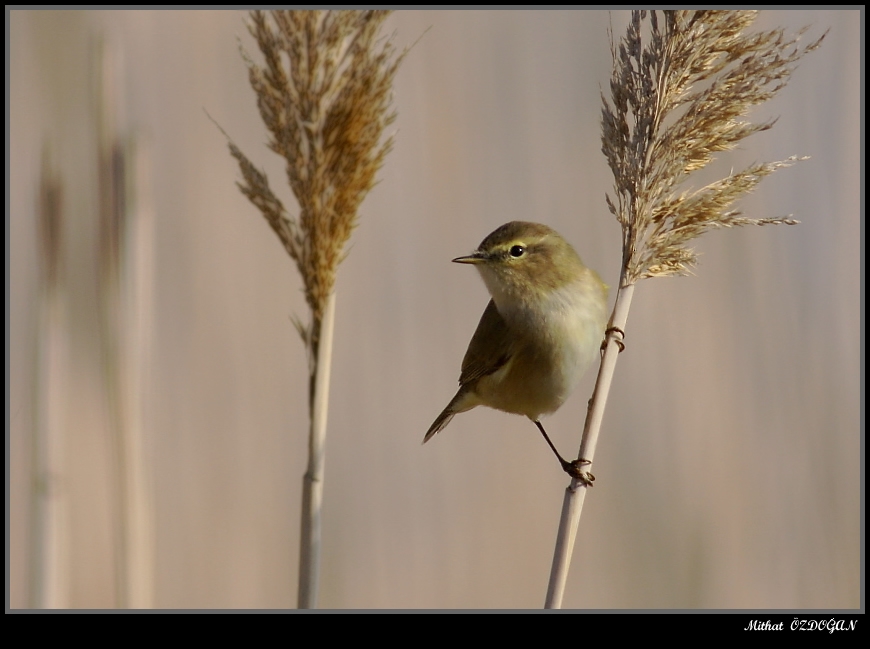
123, 251
124, 256
325, 94
49, 566
682, 82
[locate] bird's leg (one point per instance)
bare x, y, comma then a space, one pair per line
571, 468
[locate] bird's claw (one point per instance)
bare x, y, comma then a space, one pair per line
617, 335
574, 470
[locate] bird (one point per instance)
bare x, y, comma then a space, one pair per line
540, 331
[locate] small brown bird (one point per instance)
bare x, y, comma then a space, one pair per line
540, 331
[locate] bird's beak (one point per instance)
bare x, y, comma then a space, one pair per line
475, 258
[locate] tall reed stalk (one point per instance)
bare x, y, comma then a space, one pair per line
49, 565
324, 94
682, 83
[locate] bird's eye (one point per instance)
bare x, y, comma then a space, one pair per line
517, 251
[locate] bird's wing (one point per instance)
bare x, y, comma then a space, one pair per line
491, 334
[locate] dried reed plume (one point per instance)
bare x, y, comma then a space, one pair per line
327, 114
325, 95
676, 100
702, 64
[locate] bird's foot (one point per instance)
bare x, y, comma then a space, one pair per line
617, 335
574, 470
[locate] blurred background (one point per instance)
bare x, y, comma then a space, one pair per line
157, 390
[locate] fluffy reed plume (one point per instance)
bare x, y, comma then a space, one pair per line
325, 94
326, 111
682, 82
702, 64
